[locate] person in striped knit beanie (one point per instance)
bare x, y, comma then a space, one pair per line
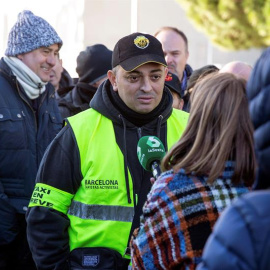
212, 164
29, 120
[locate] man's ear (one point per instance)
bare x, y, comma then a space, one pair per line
20, 56
166, 71
181, 104
112, 79
187, 56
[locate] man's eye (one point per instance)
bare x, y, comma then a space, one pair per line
133, 78
156, 77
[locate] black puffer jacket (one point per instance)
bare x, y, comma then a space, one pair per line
77, 100
66, 80
24, 137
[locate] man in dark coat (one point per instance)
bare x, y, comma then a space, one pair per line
175, 47
29, 120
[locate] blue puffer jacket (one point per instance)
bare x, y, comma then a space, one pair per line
23, 141
241, 237
258, 91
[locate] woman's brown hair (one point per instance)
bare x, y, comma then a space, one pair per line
219, 129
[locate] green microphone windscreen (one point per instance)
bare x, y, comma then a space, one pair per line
150, 149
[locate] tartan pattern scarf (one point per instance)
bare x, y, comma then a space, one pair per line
178, 217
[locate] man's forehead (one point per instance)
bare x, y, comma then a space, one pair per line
171, 41
169, 35
53, 47
147, 67
173, 50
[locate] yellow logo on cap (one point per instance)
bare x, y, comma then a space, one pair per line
141, 42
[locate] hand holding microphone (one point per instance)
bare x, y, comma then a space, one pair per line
150, 151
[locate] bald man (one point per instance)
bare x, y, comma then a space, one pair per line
237, 68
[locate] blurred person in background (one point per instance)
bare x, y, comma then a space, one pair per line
212, 163
92, 66
29, 120
238, 68
175, 47
173, 83
241, 237
196, 76
60, 78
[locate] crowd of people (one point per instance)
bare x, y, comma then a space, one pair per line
73, 192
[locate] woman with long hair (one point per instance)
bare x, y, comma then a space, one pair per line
211, 164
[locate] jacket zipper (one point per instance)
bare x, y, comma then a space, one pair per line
26, 102
36, 126
139, 132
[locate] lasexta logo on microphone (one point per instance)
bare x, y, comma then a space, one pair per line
149, 149
155, 144
152, 142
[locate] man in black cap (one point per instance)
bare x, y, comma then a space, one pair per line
173, 83
91, 187
92, 66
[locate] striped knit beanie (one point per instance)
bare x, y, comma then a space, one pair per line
30, 32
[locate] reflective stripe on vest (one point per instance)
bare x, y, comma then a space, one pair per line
101, 212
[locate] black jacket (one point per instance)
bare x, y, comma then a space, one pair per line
61, 168
188, 70
24, 137
76, 100
66, 80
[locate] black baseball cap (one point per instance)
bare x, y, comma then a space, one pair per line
173, 83
137, 49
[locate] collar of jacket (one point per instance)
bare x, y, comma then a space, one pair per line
7, 73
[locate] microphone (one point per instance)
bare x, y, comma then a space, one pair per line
150, 151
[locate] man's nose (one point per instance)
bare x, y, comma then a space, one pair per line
146, 84
169, 59
51, 60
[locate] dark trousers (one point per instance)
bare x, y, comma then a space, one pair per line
17, 255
